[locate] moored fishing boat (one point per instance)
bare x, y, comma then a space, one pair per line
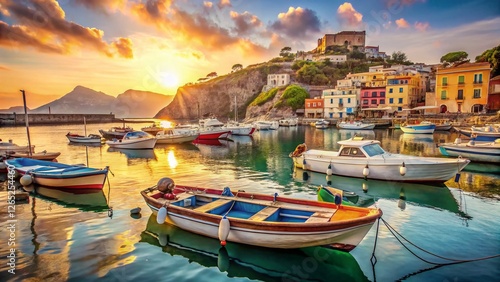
43, 155
421, 128
473, 150
479, 134
321, 124
115, 132
366, 159
259, 219
91, 138
6, 147
54, 174
176, 136
355, 125
134, 140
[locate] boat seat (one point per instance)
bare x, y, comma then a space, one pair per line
264, 213
212, 205
320, 217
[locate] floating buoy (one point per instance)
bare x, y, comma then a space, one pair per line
135, 210
366, 171
402, 204
457, 177
26, 180
365, 187
224, 228
165, 185
304, 164
338, 199
162, 215
329, 180
402, 169
329, 170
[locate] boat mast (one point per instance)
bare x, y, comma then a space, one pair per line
27, 123
84, 126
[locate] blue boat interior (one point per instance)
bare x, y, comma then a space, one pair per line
243, 210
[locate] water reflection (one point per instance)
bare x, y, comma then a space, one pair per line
214, 149
135, 154
252, 262
84, 199
369, 191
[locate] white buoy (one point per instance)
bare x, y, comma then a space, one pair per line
365, 187
402, 169
162, 215
366, 171
402, 204
329, 170
224, 228
26, 180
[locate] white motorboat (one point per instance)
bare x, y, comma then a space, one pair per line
321, 124
134, 140
355, 125
176, 136
91, 138
366, 159
424, 127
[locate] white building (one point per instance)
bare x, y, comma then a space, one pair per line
277, 80
342, 100
336, 59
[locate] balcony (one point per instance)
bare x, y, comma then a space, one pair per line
478, 82
341, 105
460, 98
444, 84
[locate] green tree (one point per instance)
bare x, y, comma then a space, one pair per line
398, 58
237, 67
358, 55
285, 52
307, 73
491, 56
212, 75
454, 57
295, 96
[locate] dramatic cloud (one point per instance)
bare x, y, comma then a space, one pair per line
208, 4
349, 17
42, 25
402, 23
245, 23
297, 23
192, 28
102, 6
422, 26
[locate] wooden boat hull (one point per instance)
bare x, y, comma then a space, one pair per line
51, 174
480, 152
84, 139
302, 229
45, 156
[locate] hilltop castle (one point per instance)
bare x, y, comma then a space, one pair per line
352, 40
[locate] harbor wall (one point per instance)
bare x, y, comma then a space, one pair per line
33, 119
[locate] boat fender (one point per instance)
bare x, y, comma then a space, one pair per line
366, 171
457, 177
224, 228
329, 179
338, 199
329, 170
26, 180
305, 176
135, 210
364, 187
402, 169
162, 215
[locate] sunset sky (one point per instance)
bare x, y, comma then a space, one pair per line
48, 47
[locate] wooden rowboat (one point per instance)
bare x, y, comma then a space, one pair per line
259, 219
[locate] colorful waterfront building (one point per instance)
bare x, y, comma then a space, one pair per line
314, 108
463, 88
494, 94
342, 100
404, 90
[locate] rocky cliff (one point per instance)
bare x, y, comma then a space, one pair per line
218, 96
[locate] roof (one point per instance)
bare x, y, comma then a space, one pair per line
357, 143
495, 78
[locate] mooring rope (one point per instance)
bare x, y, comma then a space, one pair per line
453, 261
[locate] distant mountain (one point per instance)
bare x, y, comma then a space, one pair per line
17, 110
132, 103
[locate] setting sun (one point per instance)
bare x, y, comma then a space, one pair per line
169, 79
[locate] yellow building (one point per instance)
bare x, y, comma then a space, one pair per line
403, 91
463, 88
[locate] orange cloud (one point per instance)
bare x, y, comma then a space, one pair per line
42, 25
422, 26
208, 4
224, 3
402, 23
102, 6
348, 16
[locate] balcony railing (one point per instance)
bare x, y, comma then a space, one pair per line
460, 98
445, 84
478, 82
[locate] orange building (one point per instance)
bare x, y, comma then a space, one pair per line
314, 108
463, 88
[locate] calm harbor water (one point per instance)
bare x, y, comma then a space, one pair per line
62, 236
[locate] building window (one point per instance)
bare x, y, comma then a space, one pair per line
331, 101
400, 89
382, 94
314, 105
374, 101
348, 100
366, 94
460, 94
382, 101
340, 101
374, 94
445, 81
365, 102
478, 78
477, 93
461, 79
391, 100
400, 109
390, 90
443, 95
400, 100
308, 105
